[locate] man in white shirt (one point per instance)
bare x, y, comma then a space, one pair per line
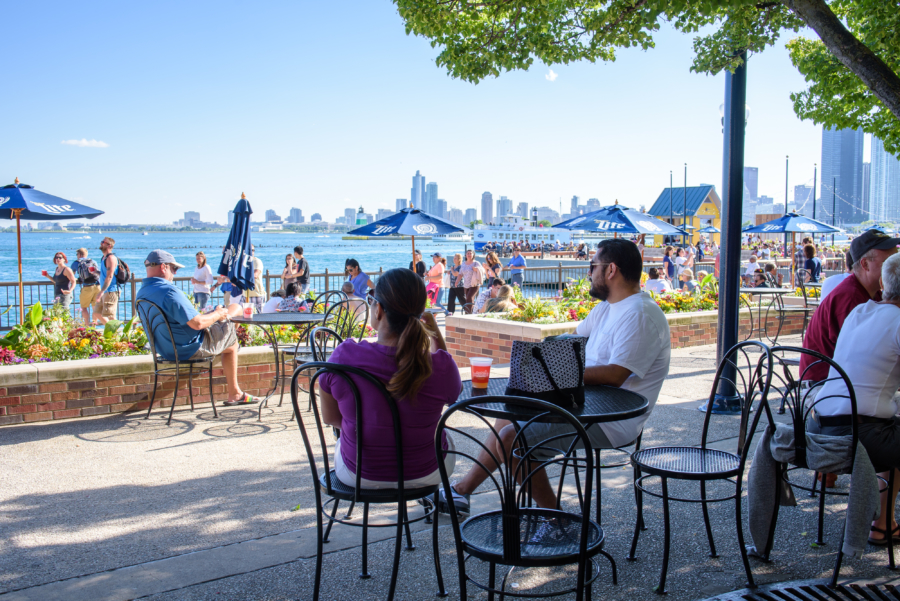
656, 285
628, 347
868, 350
832, 281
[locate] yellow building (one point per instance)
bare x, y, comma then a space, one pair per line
695, 206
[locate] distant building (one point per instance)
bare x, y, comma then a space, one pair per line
417, 192
574, 205
504, 207
487, 208
230, 218
315, 217
455, 215
470, 216
884, 184
190, 217
440, 208
751, 181
522, 210
593, 204
842, 172
384, 214
702, 207
361, 218
340, 220
272, 216
296, 216
349, 216
867, 183
402, 203
548, 214
431, 199
803, 200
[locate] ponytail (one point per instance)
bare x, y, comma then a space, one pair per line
401, 294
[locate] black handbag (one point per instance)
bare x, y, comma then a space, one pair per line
551, 370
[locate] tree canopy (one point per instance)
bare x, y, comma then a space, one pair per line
852, 68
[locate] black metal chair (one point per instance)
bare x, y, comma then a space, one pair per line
800, 403
328, 484
328, 298
155, 324
515, 535
747, 378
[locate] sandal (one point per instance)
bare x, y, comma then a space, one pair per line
883, 541
245, 399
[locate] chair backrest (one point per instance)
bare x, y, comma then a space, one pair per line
802, 274
155, 324
328, 298
742, 376
322, 342
802, 401
529, 448
348, 317
319, 461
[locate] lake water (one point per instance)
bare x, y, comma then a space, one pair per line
321, 250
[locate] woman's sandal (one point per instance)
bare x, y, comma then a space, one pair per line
246, 399
883, 541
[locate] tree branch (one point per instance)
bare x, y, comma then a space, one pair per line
852, 53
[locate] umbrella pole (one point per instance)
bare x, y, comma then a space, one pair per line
19, 246
413, 238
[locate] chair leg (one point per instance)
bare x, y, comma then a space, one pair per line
492, 580
820, 539
442, 592
334, 509
661, 587
350, 511
398, 542
599, 484
409, 544
740, 536
153, 394
212, 399
638, 521
812, 488
191, 385
174, 396
320, 553
612, 562
365, 543
284, 380
709, 534
890, 522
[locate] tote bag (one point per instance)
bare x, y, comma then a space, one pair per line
551, 370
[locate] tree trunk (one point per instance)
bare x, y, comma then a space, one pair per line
852, 53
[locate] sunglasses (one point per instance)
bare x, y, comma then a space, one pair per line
592, 265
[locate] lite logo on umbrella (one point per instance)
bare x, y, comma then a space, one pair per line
608, 225
425, 228
56, 209
384, 229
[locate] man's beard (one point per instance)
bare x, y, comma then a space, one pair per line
600, 291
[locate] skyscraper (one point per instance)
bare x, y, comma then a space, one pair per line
431, 199
803, 200
522, 210
842, 159
504, 207
401, 204
867, 181
295, 216
349, 216
417, 193
593, 204
271, 215
230, 218
574, 205
316, 217
487, 208
383, 213
455, 215
751, 181
440, 207
884, 184
190, 217
470, 216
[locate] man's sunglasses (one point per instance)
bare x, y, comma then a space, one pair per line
592, 265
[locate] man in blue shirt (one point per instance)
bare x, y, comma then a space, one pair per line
194, 335
516, 267
108, 300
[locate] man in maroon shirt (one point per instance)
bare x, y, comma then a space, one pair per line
869, 251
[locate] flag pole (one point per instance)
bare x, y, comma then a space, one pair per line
18, 213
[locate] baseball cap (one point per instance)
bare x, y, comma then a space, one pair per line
438, 255
871, 239
159, 257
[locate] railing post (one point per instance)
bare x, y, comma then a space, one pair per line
133, 294
267, 282
560, 276
326, 281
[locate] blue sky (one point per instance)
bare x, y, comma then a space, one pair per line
324, 106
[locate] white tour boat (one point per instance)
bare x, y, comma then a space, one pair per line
515, 228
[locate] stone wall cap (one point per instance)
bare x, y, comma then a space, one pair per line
15, 375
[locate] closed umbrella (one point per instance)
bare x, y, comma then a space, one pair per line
408, 222
21, 201
236, 262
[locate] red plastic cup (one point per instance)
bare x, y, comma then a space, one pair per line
248, 311
481, 371
44, 272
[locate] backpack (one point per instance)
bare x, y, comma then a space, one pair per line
85, 274
123, 273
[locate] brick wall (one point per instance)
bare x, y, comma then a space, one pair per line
493, 338
48, 391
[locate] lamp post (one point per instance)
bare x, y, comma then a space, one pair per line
786, 161
815, 177
671, 210
833, 205
684, 206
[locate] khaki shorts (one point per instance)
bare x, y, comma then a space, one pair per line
89, 295
216, 338
107, 308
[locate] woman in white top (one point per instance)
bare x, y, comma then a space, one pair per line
202, 280
681, 263
868, 350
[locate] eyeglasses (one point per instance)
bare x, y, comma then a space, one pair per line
592, 265
371, 300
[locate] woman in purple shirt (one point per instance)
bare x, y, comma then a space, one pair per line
410, 357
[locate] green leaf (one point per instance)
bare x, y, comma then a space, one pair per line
35, 315
112, 326
297, 508
127, 329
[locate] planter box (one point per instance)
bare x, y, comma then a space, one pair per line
478, 336
67, 389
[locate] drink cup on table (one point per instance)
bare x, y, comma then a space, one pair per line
248, 311
481, 371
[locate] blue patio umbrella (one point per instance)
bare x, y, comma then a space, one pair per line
21, 201
618, 219
880, 228
709, 230
408, 222
792, 223
236, 262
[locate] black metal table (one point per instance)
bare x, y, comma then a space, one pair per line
764, 322
601, 403
267, 322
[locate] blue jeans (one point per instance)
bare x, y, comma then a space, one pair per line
201, 298
517, 279
439, 298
